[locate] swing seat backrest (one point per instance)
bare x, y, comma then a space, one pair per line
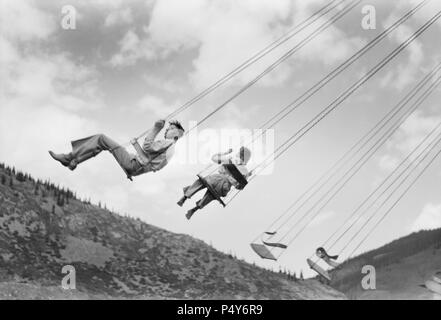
235, 173
273, 244
141, 154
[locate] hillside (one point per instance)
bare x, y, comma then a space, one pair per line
401, 267
43, 228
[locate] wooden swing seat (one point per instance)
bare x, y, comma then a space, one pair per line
314, 266
262, 251
235, 173
142, 157
433, 286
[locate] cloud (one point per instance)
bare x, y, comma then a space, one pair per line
428, 11
132, 48
323, 217
43, 90
28, 131
429, 218
23, 21
119, 17
215, 32
410, 134
156, 105
388, 162
405, 73
414, 130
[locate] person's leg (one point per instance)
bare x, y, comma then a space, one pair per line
64, 159
126, 160
190, 191
206, 199
90, 147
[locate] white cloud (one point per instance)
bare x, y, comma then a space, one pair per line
28, 131
405, 73
323, 217
428, 11
414, 130
119, 17
42, 90
429, 218
218, 30
156, 105
410, 134
388, 162
23, 21
131, 50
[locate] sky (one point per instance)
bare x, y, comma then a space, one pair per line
128, 63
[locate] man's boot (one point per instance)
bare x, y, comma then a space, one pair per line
182, 201
191, 212
65, 160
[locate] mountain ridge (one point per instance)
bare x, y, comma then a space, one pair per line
402, 266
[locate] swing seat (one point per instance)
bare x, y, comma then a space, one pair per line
142, 157
433, 286
273, 244
314, 266
437, 277
262, 251
211, 190
235, 173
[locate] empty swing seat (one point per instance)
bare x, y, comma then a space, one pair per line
262, 251
314, 266
433, 286
437, 277
273, 244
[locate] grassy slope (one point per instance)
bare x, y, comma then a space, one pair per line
116, 256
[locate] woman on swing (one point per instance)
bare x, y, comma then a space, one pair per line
159, 152
220, 182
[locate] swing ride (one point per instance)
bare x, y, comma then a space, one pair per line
348, 6
281, 234
373, 130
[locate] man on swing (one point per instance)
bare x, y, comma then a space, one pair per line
158, 152
220, 182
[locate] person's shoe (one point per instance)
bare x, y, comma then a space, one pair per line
62, 158
182, 201
72, 164
65, 160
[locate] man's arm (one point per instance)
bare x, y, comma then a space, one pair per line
222, 157
151, 136
249, 174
